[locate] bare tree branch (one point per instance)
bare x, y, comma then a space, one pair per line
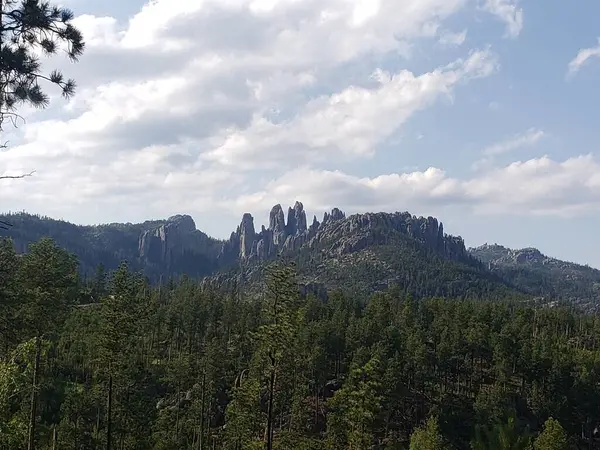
13, 117
15, 177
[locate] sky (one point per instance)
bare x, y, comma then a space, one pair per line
482, 113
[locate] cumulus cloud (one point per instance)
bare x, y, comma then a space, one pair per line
582, 57
538, 186
349, 123
199, 106
509, 13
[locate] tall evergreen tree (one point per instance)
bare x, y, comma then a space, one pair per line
552, 437
48, 275
9, 325
355, 408
117, 328
427, 437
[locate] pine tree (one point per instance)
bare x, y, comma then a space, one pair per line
355, 408
117, 328
276, 336
427, 437
9, 326
26, 27
553, 437
49, 279
502, 436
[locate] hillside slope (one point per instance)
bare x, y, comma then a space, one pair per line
156, 247
533, 272
361, 253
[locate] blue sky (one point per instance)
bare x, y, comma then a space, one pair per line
481, 113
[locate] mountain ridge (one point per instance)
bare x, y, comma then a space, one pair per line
540, 274
159, 242
362, 252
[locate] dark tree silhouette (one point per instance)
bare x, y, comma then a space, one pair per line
29, 28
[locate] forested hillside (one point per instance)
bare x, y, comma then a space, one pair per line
360, 254
533, 272
187, 366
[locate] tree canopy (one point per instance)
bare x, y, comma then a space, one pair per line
114, 362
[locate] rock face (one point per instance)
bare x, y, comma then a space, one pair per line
163, 243
277, 225
542, 275
247, 236
498, 255
174, 243
281, 236
348, 234
360, 231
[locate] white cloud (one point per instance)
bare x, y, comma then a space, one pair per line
450, 39
508, 12
349, 123
583, 56
193, 104
182, 77
526, 139
535, 187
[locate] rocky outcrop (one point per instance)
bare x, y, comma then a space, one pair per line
359, 231
277, 225
343, 234
247, 237
281, 236
296, 220
170, 245
161, 244
498, 255
163, 248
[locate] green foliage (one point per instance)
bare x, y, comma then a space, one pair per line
427, 437
16, 371
553, 437
9, 301
48, 276
355, 408
187, 365
501, 436
540, 275
28, 27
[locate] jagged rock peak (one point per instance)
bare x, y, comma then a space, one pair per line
247, 223
300, 216
336, 214
276, 219
296, 222
247, 235
291, 227
315, 223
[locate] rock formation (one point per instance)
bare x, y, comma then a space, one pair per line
161, 244
176, 242
172, 244
347, 234
247, 236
